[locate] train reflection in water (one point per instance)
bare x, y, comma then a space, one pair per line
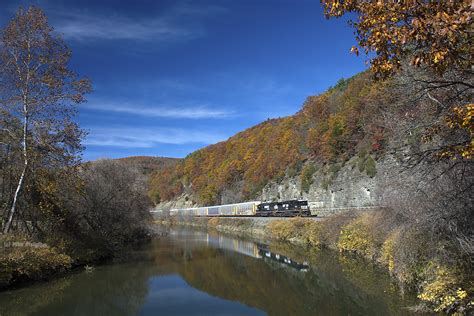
254, 250
268, 255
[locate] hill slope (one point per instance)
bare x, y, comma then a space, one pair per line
329, 128
148, 164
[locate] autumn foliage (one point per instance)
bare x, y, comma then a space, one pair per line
330, 127
437, 34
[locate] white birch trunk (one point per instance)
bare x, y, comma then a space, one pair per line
9, 221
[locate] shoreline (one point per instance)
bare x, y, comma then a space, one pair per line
28, 265
352, 235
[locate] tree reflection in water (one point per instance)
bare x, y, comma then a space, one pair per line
197, 273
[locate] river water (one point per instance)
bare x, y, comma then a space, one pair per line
198, 273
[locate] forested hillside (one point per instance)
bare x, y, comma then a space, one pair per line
148, 164
330, 127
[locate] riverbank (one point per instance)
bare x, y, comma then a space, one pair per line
441, 286
23, 262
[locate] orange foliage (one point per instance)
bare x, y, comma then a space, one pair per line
437, 34
328, 128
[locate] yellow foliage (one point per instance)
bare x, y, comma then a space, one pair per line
462, 118
280, 229
388, 248
357, 237
313, 234
433, 33
301, 229
442, 289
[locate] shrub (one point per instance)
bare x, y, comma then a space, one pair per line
361, 164
358, 237
388, 251
334, 169
409, 252
280, 229
307, 176
442, 289
112, 209
366, 163
370, 167
29, 263
326, 183
312, 234
154, 196
241, 222
295, 228
331, 228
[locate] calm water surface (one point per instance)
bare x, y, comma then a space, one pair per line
198, 273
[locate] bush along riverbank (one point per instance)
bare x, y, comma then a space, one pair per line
23, 261
108, 214
409, 256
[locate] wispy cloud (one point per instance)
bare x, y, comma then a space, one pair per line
180, 112
148, 137
83, 27
177, 23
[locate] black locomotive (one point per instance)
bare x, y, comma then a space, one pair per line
284, 208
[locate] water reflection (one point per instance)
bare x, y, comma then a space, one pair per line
245, 247
199, 273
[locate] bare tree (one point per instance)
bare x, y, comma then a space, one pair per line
431, 191
112, 208
38, 89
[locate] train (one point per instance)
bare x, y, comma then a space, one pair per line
253, 208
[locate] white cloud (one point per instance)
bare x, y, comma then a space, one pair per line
195, 112
178, 23
148, 137
82, 27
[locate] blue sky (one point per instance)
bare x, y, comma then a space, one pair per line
170, 77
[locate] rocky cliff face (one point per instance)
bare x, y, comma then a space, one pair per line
337, 188
184, 201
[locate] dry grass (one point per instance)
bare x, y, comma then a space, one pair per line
19, 264
296, 229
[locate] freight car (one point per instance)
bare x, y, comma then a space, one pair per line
237, 209
285, 208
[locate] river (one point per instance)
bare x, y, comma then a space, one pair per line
192, 272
